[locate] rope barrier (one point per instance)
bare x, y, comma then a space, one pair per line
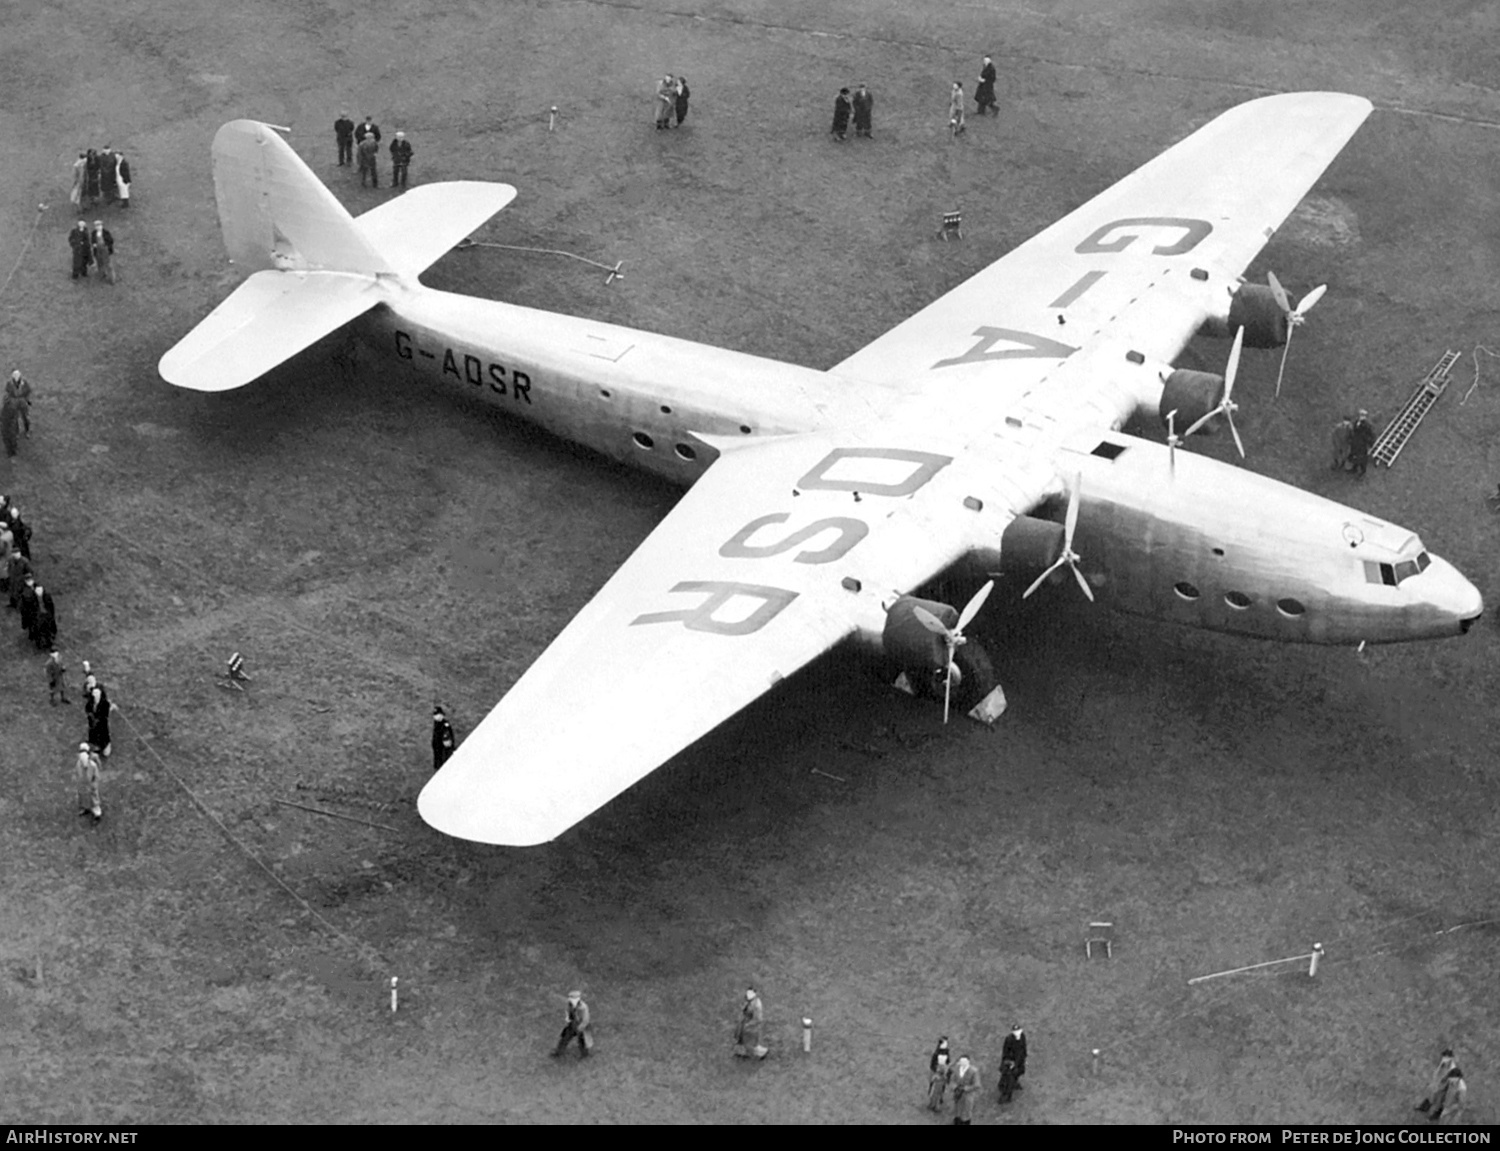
1475, 353
614, 272
31, 235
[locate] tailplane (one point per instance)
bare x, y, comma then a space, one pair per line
313, 266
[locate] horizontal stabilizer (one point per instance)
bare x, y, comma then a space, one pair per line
268, 319
417, 228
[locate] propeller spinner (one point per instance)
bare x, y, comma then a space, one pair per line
954, 637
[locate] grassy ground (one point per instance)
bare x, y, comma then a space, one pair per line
370, 550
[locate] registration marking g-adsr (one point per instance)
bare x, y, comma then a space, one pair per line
851, 529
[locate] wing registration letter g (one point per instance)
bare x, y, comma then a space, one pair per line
1193, 233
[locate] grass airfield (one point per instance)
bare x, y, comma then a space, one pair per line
372, 544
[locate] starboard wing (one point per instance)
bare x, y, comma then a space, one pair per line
1209, 202
741, 585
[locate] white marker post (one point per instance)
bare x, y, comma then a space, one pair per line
552, 118
1317, 954
807, 1034
393, 994
1095, 1054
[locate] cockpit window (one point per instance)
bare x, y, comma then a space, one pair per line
1392, 574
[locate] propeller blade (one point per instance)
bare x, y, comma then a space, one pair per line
971, 609
1198, 424
1042, 578
1279, 292
1072, 518
1172, 440
1235, 432
1285, 348
930, 621
1233, 366
1309, 300
1083, 583
947, 687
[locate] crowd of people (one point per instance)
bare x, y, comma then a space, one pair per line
100, 175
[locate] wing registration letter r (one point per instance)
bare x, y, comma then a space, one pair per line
719, 594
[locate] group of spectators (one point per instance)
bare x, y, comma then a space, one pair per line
100, 175
859, 105
962, 1075
360, 143
671, 100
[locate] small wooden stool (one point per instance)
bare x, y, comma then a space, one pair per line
952, 225
1103, 933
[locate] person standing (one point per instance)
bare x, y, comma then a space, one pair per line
44, 625
83, 249
10, 426
108, 174
577, 1027
681, 100
1453, 1101
86, 772
1446, 1063
122, 177
1014, 1049
97, 706
666, 102
367, 127
28, 605
864, 111
18, 572
956, 109
984, 94
843, 108
343, 133
938, 1069
20, 530
368, 151
80, 165
18, 388
57, 678
91, 174
966, 1088
1342, 438
401, 151
747, 1033
1361, 440
103, 247
443, 741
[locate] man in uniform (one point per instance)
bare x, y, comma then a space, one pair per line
83, 249
984, 95
400, 159
368, 150
747, 1033
57, 678
87, 774
18, 389
576, 1027
343, 132
864, 111
443, 741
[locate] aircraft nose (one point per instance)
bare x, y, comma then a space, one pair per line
1454, 595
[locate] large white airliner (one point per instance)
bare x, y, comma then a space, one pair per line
984, 429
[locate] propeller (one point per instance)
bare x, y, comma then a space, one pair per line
955, 638
1174, 441
1294, 316
1227, 407
1068, 556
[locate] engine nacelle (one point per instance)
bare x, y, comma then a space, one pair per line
920, 653
1192, 395
1253, 307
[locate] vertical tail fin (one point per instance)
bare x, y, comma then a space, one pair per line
277, 215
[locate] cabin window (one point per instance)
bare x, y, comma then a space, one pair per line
1290, 607
665, 410
1237, 600
745, 429
604, 393
685, 451
642, 440
1186, 590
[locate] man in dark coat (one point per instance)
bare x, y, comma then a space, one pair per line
1014, 1049
10, 425
1361, 440
28, 605
401, 151
864, 111
368, 151
443, 740
20, 530
367, 127
18, 388
44, 625
984, 95
343, 132
681, 101
96, 707
842, 109
83, 248
17, 575
109, 182
92, 170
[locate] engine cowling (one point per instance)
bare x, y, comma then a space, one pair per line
1254, 308
911, 648
1029, 546
1192, 395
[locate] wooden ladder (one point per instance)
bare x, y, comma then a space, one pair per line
1390, 442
